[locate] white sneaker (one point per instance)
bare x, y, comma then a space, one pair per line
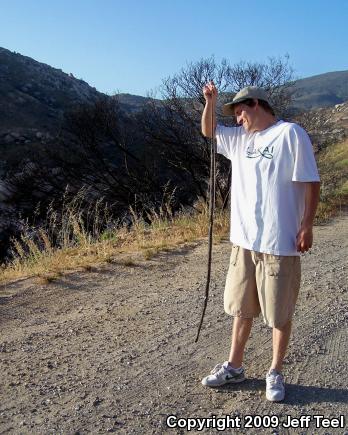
275, 388
223, 374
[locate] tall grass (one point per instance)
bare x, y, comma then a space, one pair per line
76, 238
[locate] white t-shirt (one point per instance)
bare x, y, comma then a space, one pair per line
267, 196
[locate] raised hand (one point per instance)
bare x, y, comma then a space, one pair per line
210, 92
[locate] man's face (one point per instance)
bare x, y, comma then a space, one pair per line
245, 116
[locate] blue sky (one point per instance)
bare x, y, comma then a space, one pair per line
131, 45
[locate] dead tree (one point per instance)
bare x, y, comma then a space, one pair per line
172, 125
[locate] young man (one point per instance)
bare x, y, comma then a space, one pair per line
274, 196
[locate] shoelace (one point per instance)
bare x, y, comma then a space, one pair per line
275, 380
217, 368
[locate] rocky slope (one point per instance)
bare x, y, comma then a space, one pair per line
34, 97
326, 125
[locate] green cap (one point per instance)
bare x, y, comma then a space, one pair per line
244, 94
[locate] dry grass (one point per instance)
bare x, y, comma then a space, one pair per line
78, 249
128, 262
45, 279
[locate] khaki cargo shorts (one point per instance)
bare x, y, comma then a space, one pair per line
258, 282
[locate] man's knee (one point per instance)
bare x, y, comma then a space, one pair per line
283, 327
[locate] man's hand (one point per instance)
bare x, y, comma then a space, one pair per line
210, 92
304, 238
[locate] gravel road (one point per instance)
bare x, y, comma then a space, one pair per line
112, 349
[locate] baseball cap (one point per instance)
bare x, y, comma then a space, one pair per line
244, 94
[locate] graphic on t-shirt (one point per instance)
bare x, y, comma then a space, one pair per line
252, 153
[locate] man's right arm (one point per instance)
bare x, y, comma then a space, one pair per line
208, 116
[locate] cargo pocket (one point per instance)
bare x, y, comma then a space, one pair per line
272, 269
278, 266
234, 255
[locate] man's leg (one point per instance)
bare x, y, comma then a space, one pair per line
278, 286
240, 335
224, 373
275, 387
240, 297
280, 343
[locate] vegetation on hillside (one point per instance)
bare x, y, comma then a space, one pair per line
333, 168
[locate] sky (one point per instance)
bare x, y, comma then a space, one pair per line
130, 46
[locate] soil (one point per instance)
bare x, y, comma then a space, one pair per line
112, 349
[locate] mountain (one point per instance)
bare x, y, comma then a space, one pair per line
34, 95
132, 103
322, 90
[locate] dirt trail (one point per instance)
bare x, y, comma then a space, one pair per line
113, 349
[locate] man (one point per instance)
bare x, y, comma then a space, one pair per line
274, 196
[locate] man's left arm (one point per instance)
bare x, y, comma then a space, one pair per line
304, 239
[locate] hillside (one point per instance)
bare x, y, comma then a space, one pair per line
326, 125
132, 103
322, 90
34, 97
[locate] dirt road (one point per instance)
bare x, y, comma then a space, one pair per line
112, 350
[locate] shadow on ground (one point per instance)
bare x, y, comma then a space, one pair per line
295, 394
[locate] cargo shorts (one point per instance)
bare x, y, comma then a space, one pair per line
258, 282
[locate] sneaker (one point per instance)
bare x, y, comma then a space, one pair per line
275, 388
223, 374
